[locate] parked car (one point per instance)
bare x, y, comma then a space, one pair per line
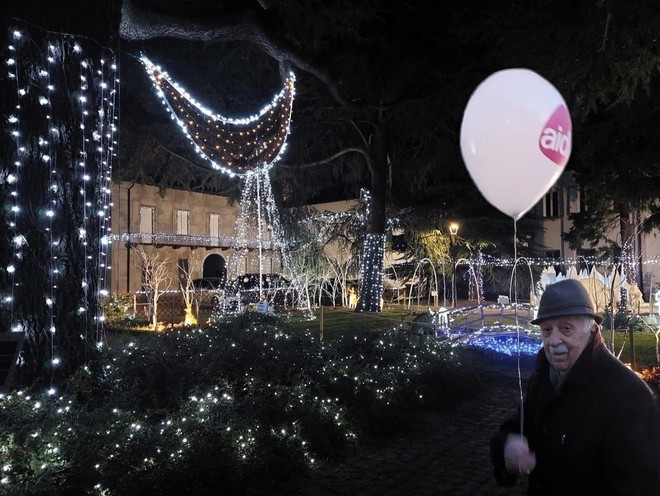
209, 283
275, 288
209, 291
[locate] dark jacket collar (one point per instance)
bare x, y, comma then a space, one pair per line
581, 371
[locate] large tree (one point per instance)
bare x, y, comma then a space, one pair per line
604, 57
384, 84
373, 110
55, 147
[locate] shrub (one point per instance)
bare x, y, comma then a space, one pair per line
118, 310
244, 406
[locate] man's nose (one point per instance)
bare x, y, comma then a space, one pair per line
555, 337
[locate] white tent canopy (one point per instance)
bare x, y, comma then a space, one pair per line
603, 289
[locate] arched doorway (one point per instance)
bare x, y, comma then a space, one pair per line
214, 266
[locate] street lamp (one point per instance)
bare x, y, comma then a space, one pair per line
453, 231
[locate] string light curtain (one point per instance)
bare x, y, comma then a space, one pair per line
56, 185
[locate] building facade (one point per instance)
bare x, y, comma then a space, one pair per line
198, 231
187, 230
643, 249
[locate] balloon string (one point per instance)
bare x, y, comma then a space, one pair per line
515, 306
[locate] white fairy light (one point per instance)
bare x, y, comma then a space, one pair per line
97, 110
232, 146
246, 147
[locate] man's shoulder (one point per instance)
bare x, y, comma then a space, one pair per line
614, 375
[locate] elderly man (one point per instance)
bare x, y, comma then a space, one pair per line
588, 425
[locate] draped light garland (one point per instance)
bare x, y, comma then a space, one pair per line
246, 148
232, 146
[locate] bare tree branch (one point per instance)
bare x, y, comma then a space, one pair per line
138, 25
159, 147
357, 149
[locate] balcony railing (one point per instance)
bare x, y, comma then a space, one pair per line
176, 240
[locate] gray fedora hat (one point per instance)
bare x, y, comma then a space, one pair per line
564, 298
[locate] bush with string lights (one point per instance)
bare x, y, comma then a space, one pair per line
240, 405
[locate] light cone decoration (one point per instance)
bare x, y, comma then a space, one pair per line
246, 148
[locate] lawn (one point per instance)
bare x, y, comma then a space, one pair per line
333, 323
643, 345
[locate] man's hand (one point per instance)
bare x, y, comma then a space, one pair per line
517, 456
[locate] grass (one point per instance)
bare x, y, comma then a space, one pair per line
643, 347
335, 323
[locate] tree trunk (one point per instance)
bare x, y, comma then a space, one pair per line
371, 289
53, 113
627, 242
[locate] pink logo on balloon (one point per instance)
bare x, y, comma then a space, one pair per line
555, 140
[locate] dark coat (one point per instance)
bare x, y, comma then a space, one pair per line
598, 433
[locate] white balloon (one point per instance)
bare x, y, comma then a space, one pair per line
516, 138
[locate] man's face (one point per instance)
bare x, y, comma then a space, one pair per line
564, 340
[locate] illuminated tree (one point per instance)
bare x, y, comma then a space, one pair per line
155, 280
57, 145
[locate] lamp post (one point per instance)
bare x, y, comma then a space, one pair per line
453, 232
